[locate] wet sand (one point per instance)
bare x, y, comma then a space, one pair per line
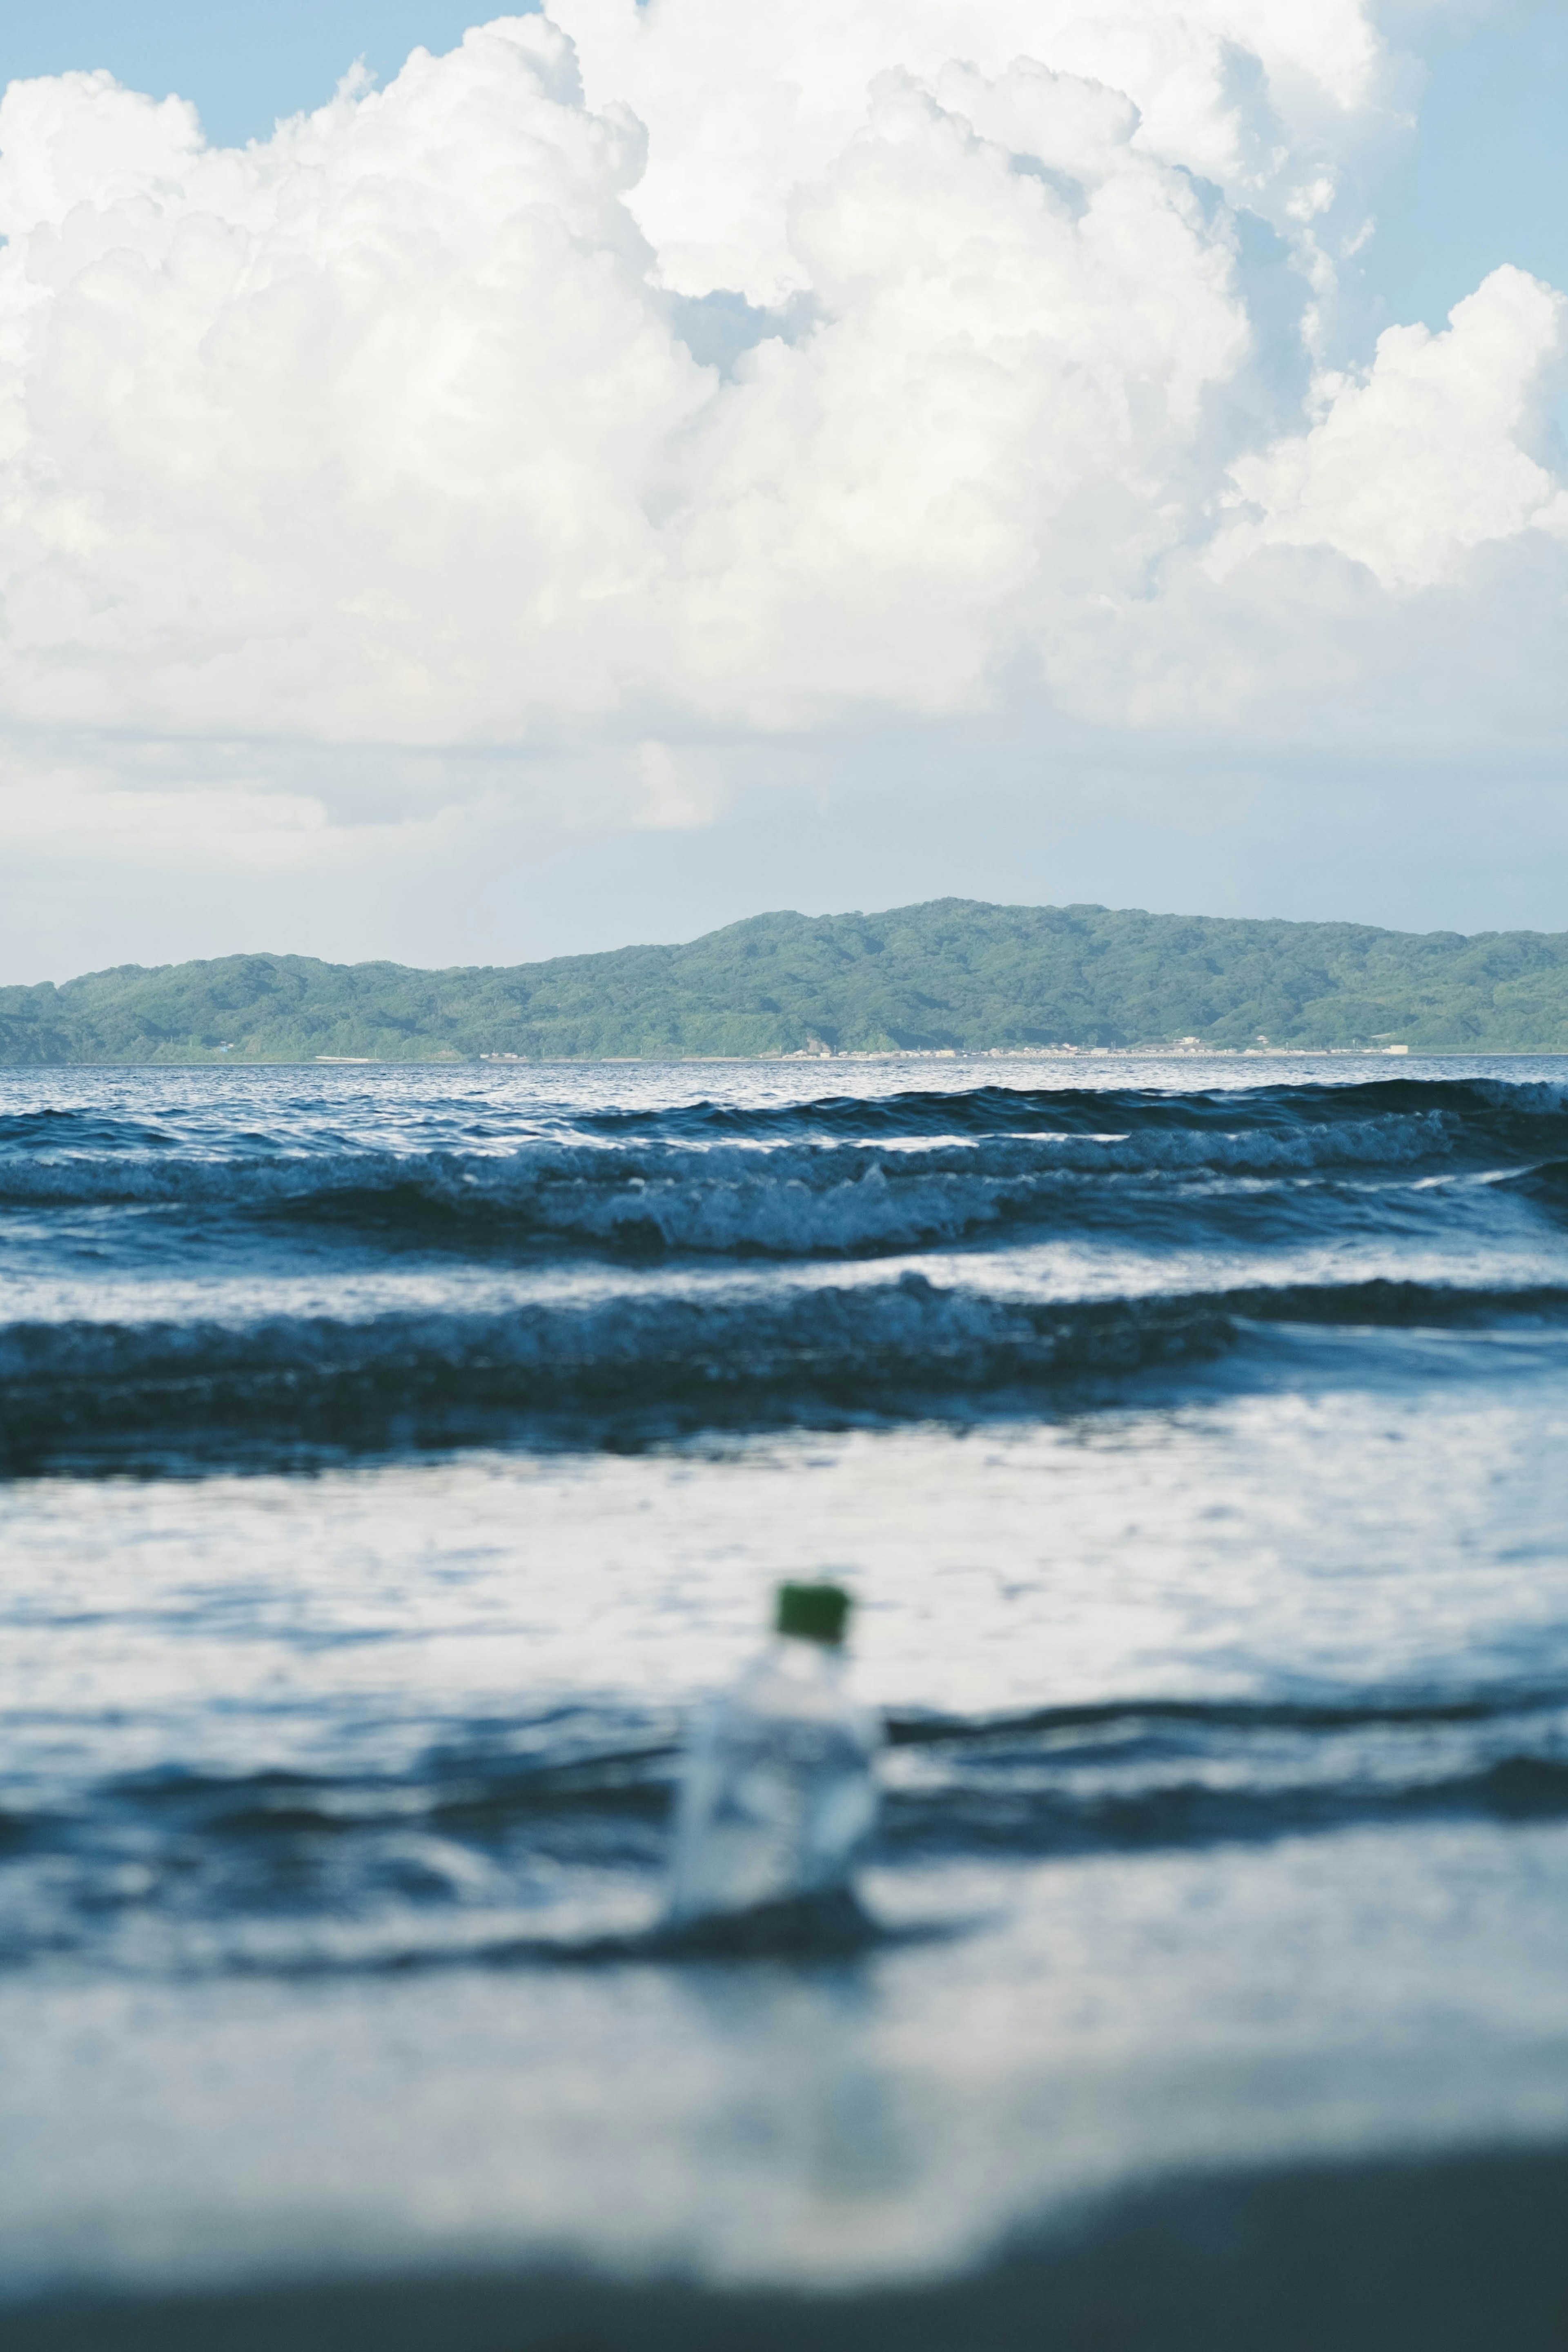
1462, 2255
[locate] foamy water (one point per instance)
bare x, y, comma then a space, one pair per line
395, 1457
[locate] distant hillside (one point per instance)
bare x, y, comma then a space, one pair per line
952, 973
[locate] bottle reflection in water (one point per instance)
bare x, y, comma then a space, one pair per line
778, 1790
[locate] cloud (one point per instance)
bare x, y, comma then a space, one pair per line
348, 435
695, 371
1428, 456
1263, 98
243, 826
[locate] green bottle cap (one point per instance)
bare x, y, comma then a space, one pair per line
814, 1613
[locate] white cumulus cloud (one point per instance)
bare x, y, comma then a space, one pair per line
659, 371
1428, 455
1265, 99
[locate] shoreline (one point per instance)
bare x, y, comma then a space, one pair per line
489, 1062
1452, 2253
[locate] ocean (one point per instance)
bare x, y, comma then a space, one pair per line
394, 1457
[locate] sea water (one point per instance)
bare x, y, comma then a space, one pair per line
397, 1458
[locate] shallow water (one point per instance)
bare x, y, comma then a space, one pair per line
395, 1457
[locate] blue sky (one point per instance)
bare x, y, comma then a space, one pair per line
243, 66
1332, 709
1486, 180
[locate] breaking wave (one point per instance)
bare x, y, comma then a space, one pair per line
839, 1176
874, 1349
218, 1192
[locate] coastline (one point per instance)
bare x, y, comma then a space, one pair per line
932, 982
960, 1054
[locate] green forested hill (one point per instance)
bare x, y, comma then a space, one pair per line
954, 972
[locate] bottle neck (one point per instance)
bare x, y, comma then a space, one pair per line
794, 1654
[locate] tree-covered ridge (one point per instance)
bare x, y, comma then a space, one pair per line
954, 972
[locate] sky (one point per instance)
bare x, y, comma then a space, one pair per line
475, 491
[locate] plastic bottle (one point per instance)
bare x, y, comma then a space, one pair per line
778, 1791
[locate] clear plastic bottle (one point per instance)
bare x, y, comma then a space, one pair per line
778, 1791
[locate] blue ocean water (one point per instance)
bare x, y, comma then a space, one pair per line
393, 1456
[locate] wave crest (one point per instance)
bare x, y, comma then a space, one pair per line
873, 1348
784, 1199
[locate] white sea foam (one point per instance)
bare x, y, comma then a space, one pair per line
788, 1199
